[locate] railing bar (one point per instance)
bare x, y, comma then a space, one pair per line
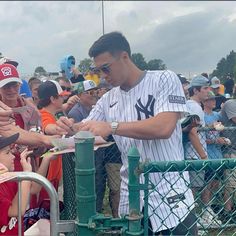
19, 209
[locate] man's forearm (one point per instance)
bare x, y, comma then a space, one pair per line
193, 136
26, 137
158, 127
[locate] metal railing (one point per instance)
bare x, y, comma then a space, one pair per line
56, 225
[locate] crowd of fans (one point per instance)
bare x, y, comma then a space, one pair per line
28, 122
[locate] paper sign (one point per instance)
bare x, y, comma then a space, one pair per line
69, 150
68, 143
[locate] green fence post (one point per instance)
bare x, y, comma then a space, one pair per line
85, 182
134, 194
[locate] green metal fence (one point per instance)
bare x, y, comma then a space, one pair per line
217, 177
224, 225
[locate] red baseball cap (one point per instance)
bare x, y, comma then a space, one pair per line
8, 73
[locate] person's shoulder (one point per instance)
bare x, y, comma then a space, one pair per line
76, 107
230, 103
193, 105
161, 76
191, 102
222, 97
216, 114
46, 114
8, 185
111, 93
160, 73
42, 111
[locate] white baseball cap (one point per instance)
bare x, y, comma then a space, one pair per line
83, 86
215, 82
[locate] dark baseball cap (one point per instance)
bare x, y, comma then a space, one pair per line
183, 79
6, 141
5, 60
51, 88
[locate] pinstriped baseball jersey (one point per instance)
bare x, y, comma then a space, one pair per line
158, 91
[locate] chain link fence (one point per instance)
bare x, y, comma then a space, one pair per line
219, 220
107, 182
212, 182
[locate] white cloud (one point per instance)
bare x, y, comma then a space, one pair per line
42, 32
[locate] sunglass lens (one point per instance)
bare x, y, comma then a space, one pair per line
105, 70
66, 88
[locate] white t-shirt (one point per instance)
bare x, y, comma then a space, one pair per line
158, 91
194, 108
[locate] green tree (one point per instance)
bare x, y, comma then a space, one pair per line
234, 71
225, 65
156, 64
139, 60
85, 64
40, 71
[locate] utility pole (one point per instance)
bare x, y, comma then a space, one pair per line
103, 28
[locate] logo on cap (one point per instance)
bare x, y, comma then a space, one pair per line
6, 71
91, 83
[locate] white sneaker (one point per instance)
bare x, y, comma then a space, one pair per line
204, 220
214, 217
209, 218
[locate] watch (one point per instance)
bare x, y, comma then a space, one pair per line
114, 126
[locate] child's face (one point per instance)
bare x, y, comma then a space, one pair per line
7, 158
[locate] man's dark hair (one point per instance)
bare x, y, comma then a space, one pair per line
63, 79
45, 102
191, 90
205, 74
34, 80
113, 43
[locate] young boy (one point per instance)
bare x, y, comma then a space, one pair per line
9, 190
50, 103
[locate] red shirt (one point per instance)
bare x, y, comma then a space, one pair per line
19, 122
8, 225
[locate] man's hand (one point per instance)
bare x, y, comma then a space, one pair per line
5, 116
70, 103
25, 160
66, 124
100, 128
73, 100
47, 140
75, 71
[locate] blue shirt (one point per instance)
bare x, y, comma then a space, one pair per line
213, 150
25, 89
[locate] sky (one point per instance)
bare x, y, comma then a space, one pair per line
189, 36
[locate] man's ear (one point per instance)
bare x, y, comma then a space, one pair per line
124, 55
52, 99
195, 91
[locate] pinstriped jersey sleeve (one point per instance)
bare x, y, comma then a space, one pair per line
170, 95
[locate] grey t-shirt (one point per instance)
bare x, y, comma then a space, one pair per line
78, 112
228, 112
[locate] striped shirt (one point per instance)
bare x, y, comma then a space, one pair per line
158, 91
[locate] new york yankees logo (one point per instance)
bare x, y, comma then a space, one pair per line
147, 110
